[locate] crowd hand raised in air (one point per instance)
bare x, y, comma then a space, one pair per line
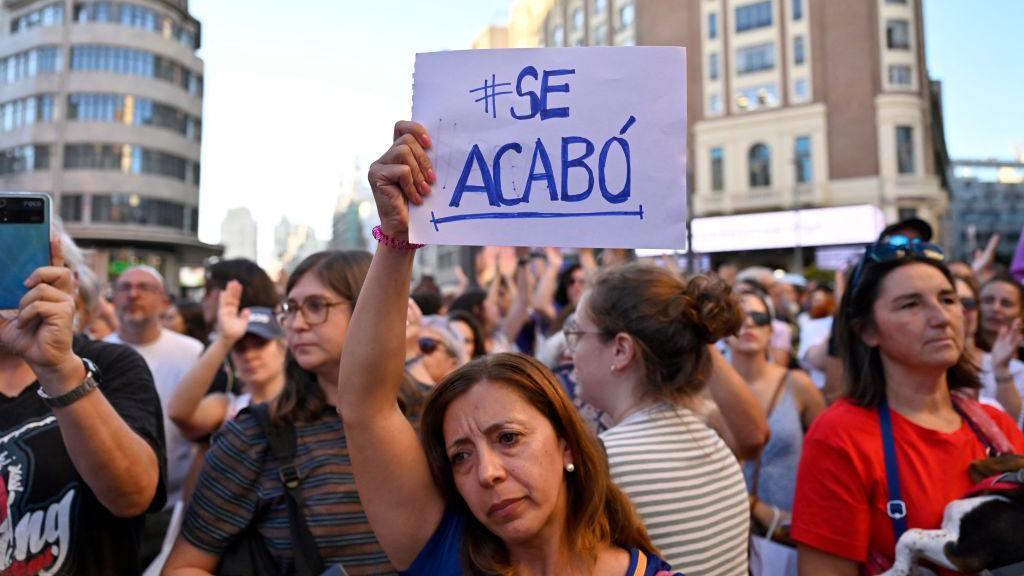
231, 323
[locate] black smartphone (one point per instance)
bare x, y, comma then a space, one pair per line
24, 242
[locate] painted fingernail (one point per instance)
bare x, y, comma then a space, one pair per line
431, 176
424, 188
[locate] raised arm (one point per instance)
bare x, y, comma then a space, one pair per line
391, 472
740, 411
195, 412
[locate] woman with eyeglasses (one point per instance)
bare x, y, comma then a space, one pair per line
790, 401
1005, 392
240, 489
895, 450
441, 349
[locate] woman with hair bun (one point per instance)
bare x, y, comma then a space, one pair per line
643, 344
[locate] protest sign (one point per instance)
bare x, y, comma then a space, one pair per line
568, 147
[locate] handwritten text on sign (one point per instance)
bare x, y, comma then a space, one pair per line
572, 147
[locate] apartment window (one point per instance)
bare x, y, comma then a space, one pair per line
117, 60
755, 58
899, 75
753, 16
905, 149
119, 108
903, 2
26, 111
600, 6
49, 15
133, 209
71, 207
30, 63
24, 159
130, 160
626, 14
577, 20
760, 162
715, 104
756, 97
601, 35
713, 66
802, 159
717, 170
713, 25
800, 92
134, 16
897, 35
798, 50
798, 9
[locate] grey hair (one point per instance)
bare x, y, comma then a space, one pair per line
451, 339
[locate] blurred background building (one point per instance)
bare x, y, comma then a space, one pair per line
102, 108
791, 104
238, 234
988, 198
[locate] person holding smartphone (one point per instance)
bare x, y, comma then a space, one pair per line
81, 439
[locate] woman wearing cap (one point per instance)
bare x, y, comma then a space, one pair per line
254, 340
901, 335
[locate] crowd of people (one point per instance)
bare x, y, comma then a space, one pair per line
559, 413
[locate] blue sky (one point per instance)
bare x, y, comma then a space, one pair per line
296, 92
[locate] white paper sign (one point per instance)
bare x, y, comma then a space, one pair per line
568, 147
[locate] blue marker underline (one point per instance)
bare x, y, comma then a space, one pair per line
530, 215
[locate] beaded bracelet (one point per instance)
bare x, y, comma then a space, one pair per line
393, 243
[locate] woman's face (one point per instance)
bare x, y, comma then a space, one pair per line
466, 333
258, 361
756, 331
592, 357
172, 320
316, 333
437, 359
918, 320
1000, 305
577, 284
507, 462
970, 305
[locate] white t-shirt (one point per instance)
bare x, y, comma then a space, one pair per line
988, 379
169, 357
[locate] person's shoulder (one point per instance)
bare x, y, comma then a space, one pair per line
107, 353
1006, 424
186, 344
802, 386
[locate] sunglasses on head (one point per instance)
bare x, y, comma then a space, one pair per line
896, 247
760, 318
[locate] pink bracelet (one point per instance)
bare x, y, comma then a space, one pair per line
393, 243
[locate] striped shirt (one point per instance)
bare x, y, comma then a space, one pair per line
239, 485
686, 486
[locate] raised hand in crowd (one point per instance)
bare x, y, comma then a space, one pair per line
983, 263
1004, 350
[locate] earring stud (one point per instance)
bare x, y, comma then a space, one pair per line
570, 467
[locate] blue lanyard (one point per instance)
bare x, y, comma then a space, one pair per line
896, 508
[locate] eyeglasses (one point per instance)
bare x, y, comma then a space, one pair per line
314, 310
760, 318
573, 334
127, 287
895, 248
969, 304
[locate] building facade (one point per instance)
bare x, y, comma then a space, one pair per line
102, 108
239, 233
791, 103
987, 199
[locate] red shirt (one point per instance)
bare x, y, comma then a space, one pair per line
841, 487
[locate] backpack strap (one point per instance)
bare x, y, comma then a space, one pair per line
984, 427
283, 445
896, 507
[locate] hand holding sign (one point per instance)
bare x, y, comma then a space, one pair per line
554, 146
402, 175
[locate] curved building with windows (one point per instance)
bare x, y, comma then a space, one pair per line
101, 107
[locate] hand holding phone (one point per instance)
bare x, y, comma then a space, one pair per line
24, 243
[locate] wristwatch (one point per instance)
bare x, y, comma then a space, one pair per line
90, 383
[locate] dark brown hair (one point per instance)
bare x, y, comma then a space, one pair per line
671, 319
864, 374
259, 289
302, 399
598, 512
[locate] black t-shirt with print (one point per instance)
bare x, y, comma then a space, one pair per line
49, 518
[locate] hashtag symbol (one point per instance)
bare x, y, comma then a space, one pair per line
490, 97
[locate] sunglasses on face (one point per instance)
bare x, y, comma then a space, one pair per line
895, 248
969, 304
430, 345
760, 318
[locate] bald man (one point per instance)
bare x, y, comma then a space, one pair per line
139, 299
